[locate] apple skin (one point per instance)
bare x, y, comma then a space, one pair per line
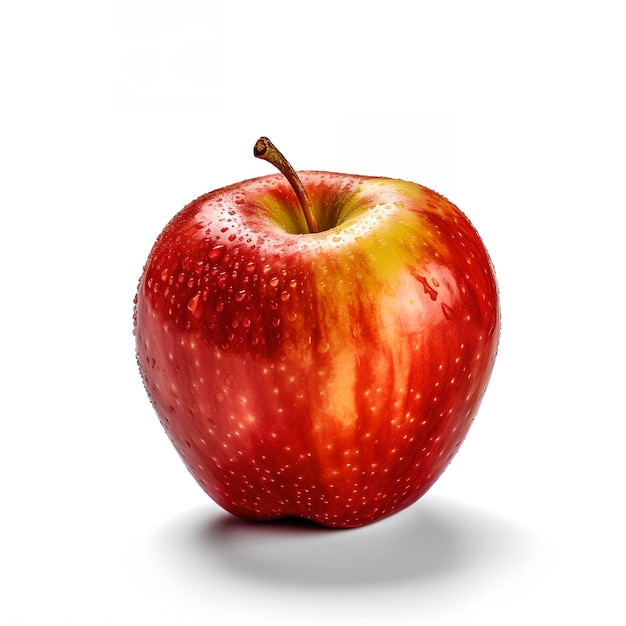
330, 376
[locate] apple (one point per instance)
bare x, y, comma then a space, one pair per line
317, 344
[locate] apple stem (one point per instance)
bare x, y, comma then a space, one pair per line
266, 150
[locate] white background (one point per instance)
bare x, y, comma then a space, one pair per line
112, 118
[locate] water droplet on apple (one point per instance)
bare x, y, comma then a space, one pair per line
284, 296
192, 305
447, 311
216, 253
240, 295
250, 266
274, 281
427, 288
219, 307
323, 347
164, 275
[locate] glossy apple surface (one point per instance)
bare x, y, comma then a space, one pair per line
330, 375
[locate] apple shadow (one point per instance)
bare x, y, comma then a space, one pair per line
434, 539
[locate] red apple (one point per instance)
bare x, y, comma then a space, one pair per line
328, 375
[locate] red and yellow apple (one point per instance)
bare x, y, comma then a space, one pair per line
317, 345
